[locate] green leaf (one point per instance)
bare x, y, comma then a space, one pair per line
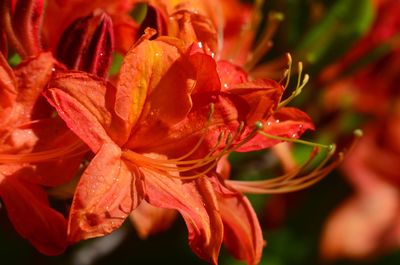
344, 23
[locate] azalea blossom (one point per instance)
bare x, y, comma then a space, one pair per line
159, 134
33, 146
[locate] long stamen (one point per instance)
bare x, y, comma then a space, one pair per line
294, 140
265, 44
204, 164
74, 149
289, 70
200, 141
293, 181
301, 82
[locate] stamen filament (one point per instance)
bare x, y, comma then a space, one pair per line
299, 87
288, 182
293, 140
265, 44
74, 149
200, 141
289, 70
261, 187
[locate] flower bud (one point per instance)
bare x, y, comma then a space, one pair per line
87, 44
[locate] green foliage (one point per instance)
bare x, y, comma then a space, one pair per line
338, 29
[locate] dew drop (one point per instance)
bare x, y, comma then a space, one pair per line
200, 45
277, 121
226, 85
269, 123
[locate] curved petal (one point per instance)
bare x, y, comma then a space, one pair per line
192, 27
196, 201
32, 77
85, 103
107, 192
31, 215
150, 71
255, 100
286, 122
207, 79
242, 232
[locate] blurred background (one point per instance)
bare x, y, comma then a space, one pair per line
351, 51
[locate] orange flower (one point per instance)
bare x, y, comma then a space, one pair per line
33, 146
158, 136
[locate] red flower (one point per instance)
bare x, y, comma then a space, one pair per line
158, 136
33, 146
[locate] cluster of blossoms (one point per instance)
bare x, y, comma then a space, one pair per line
148, 140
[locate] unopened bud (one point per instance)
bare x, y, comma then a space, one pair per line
87, 44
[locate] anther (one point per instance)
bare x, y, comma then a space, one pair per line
358, 133
258, 125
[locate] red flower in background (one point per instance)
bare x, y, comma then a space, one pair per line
367, 224
33, 146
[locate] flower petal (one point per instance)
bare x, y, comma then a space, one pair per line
107, 192
150, 71
31, 215
149, 220
196, 201
286, 122
32, 77
242, 232
8, 87
255, 100
87, 109
192, 27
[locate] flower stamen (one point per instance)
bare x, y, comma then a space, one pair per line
301, 82
74, 149
265, 44
294, 180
